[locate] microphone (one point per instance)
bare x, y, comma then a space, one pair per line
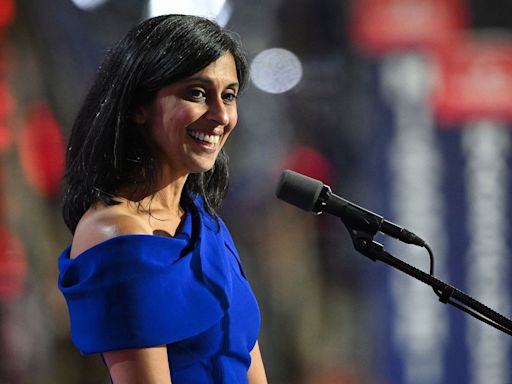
312, 195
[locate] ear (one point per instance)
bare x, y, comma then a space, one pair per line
140, 116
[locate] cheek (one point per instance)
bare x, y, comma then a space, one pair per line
175, 112
172, 126
233, 119
176, 118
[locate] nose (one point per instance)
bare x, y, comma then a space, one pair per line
218, 112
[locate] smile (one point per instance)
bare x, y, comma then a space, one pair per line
210, 139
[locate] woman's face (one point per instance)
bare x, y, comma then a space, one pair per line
190, 120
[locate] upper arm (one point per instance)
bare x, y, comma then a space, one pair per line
256, 373
128, 366
140, 365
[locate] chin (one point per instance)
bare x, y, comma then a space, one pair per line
202, 168
201, 164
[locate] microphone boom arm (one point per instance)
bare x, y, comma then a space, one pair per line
364, 244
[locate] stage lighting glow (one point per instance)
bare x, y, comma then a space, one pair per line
88, 5
276, 70
219, 10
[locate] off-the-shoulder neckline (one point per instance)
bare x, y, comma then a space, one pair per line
146, 236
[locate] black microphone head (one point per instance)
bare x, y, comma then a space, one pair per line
299, 190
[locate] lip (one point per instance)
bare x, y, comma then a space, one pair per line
206, 136
202, 145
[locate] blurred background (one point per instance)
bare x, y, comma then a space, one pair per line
402, 106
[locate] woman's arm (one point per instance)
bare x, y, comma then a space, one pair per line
256, 373
141, 365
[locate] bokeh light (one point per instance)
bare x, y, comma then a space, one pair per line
6, 108
276, 70
13, 264
88, 5
41, 150
7, 12
219, 10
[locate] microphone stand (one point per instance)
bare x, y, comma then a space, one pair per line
364, 243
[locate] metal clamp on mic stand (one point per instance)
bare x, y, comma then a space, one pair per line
364, 244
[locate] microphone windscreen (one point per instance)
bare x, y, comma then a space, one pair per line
299, 190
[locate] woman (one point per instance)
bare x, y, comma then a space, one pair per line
152, 278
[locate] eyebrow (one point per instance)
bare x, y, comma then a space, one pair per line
209, 81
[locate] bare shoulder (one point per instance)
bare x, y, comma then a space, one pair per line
101, 223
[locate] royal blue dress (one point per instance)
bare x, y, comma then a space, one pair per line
135, 291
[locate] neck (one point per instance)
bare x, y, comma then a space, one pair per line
168, 195
166, 198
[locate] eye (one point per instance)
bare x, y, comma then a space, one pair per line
196, 94
229, 97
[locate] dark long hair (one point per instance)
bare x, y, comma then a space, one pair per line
107, 150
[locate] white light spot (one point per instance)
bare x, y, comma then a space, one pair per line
276, 70
88, 5
218, 10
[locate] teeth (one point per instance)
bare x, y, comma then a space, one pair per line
212, 139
